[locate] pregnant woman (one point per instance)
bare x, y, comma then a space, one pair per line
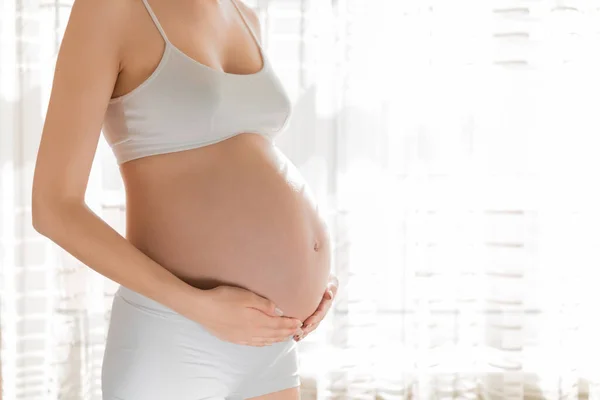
226, 260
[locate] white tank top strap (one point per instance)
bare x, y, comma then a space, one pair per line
185, 105
246, 23
155, 20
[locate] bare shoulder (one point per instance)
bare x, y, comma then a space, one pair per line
252, 16
88, 63
95, 19
102, 12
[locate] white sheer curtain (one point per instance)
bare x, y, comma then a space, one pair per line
455, 145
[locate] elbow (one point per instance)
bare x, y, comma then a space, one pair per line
40, 215
52, 203
47, 214
36, 206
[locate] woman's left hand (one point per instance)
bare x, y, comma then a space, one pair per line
311, 323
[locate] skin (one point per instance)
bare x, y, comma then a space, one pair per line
109, 48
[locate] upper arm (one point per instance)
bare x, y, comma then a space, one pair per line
87, 67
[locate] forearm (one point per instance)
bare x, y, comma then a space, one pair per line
79, 231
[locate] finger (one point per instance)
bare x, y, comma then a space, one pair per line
333, 283
332, 287
261, 321
324, 307
325, 302
316, 317
313, 319
263, 304
330, 292
311, 328
298, 338
280, 333
282, 323
267, 326
319, 314
308, 330
311, 322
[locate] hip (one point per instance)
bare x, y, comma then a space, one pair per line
152, 352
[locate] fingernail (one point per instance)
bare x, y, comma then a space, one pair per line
296, 338
330, 293
278, 311
299, 331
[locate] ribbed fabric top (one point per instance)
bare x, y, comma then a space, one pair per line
185, 104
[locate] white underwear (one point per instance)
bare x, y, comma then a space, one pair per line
154, 353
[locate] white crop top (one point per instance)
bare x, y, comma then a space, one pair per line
184, 104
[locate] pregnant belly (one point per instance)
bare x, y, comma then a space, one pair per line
234, 213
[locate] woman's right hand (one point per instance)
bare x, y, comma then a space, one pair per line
241, 316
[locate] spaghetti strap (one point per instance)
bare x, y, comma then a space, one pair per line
155, 20
247, 24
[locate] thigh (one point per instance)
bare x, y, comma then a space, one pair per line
286, 394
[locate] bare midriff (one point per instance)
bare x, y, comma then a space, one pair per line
232, 213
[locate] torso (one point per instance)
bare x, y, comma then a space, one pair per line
231, 214
236, 212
